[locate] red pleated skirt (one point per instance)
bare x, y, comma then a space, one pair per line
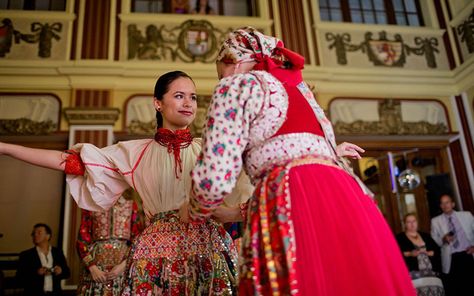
312, 231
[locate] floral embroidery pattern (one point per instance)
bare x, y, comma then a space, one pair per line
229, 129
218, 149
206, 184
174, 258
264, 270
230, 113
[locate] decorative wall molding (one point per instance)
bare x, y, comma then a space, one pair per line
466, 32
383, 51
192, 41
25, 126
89, 116
388, 117
29, 114
17, 34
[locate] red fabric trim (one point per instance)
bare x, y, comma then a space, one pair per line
74, 164
136, 165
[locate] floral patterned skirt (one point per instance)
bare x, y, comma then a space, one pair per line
107, 254
174, 258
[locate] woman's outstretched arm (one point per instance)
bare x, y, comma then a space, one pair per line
52, 159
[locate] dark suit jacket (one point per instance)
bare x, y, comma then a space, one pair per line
407, 246
27, 273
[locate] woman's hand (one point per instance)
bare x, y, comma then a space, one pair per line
349, 150
97, 275
117, 270
226, 214
184, 212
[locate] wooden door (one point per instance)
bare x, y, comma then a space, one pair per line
429, 159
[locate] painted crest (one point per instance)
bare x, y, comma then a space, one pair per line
387, 53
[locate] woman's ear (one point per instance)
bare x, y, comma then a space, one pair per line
157, 104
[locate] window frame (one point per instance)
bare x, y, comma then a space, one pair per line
252, 9
390, 13
31, 6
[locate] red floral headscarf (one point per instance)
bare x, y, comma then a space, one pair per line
248, 44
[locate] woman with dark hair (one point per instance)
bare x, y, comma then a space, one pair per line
169, 257
312, 227
103, 242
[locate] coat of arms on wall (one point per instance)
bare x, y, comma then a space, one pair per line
42, 33
383, 51
193, 40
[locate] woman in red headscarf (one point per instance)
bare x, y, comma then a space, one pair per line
312, 227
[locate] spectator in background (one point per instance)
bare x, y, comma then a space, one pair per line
422, 256
103, 243
41, 268
203, 7
180, 6
453, 231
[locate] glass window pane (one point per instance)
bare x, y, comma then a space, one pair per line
369, 17
59, 5
323, 3
28, 5
397, 5
410, 5
236, 7
324, 14
367, 4
379, 4
381, 18
401, 20
140, 6
354, 4
356, 16
413, 20
157, 7
16, 4
42, 5
336, 15
335, 3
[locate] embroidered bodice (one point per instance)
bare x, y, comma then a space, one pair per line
243, 131
114, 223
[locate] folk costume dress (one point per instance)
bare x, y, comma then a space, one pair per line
312, 228
104, 240
168, 257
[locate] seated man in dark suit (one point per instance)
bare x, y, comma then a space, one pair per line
41, 268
